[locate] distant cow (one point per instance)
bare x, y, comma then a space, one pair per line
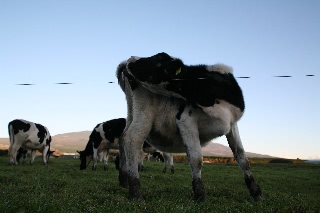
103, 138
28, 135
166, 158
179, 108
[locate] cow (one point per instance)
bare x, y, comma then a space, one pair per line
28, 135
179, 108
102, 138
166, 158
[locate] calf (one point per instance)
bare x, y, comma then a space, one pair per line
28, 135
179, 108
103, 138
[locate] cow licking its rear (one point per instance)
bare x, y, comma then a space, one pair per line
28, 135
179, 108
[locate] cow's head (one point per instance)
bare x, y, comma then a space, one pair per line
84, 159
155, 69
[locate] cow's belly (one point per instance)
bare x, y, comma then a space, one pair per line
165, 134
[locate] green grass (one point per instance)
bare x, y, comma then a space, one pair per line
62, 187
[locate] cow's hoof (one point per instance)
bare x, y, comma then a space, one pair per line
198, 190
254, 188
123, 179
140, 168
134, 188
172, 170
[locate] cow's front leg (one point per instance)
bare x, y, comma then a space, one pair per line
189, 132
95, 158
235, 144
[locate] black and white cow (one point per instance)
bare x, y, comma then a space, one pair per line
26, 135
103, 138
179, 108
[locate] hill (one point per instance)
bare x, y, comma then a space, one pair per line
73, 141
219, 150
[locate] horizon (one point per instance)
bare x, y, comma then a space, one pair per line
212, 141
45, 45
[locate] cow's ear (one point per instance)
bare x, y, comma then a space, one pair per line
175, 68
79, 152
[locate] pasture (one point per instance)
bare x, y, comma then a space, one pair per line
62, 187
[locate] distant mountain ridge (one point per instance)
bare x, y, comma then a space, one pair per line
76, 141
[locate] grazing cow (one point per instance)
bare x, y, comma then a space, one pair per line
179, 108
103, 138
26, 135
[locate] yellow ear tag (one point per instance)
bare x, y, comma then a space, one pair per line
178, 71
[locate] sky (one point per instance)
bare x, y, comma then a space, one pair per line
82, 42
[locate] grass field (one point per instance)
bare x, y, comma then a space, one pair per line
62, 187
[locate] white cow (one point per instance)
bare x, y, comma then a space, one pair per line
28, 135
179, 108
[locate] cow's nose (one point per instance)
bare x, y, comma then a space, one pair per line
133, 59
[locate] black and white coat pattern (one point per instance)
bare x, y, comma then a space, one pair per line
179, 108
28, 135
103, 137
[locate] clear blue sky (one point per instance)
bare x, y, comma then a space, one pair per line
45, 42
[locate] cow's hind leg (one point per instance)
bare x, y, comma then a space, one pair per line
133, 141
235, 144
189, 132
123, 171
13, 149
170, 159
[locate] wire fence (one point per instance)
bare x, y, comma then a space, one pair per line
112, 82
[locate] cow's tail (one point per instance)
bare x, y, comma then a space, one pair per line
11, 134
121, 69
